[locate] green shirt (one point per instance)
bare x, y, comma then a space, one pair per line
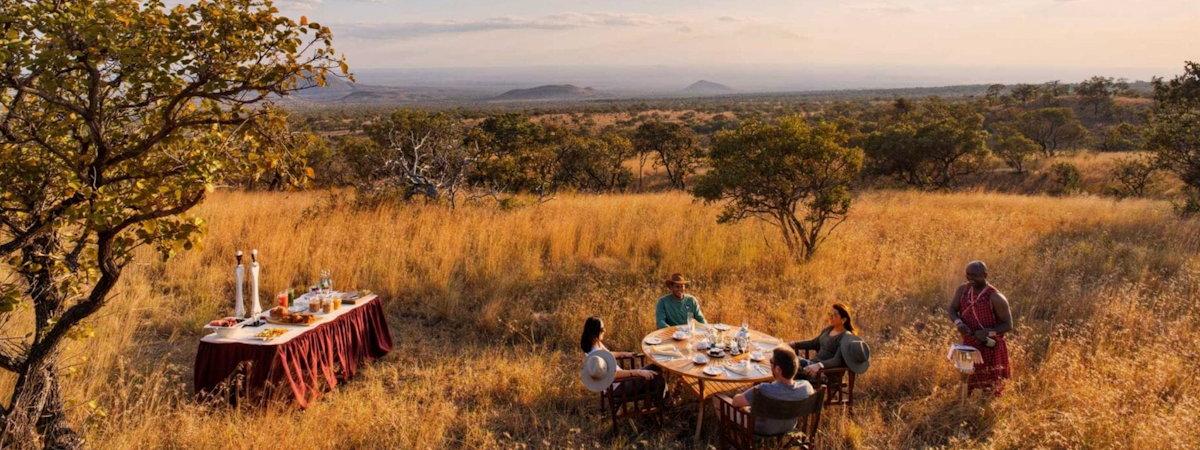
671, 311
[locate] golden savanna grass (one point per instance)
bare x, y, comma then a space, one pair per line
486, 307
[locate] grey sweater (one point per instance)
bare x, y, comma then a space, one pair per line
826, 346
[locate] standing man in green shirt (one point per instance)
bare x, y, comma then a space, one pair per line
677, 307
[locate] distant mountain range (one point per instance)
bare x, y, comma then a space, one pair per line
705, 87
549, 92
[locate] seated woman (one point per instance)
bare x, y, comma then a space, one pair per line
826, 344
592, 341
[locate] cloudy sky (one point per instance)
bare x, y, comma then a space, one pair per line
1139, 37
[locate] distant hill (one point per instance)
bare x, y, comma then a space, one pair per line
705, 87
549, 92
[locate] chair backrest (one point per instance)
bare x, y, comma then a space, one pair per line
771, 408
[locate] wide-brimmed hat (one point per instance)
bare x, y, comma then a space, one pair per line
855, 353
676, 278
599, 370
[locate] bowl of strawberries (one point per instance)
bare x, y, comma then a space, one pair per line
225, 327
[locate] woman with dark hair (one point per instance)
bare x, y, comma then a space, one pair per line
592, 340
827, 343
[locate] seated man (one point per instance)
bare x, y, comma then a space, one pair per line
677, 307
783, 389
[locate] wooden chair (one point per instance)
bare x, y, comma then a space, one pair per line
737, 424
636, 396
840, 383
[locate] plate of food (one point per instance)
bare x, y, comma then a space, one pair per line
712, 370
652, 340
225, 327
757, 356
700, 359
722, 327
271, 333
282, 316
680, 335
716, 352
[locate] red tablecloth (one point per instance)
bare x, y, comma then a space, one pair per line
307, 363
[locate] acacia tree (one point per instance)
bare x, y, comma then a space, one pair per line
1054, 129
1174, 130
932, 146
116, 117
1013, 147
791, 174
675, 146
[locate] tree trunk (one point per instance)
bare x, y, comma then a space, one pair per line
36, 417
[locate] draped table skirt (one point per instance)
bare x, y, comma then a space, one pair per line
302, 366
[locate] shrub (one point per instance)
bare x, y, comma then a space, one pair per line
1066, 178
1133, 177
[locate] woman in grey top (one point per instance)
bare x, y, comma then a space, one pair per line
826, 344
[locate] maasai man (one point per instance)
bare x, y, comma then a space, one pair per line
982, 316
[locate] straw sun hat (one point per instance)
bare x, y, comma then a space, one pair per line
599, 370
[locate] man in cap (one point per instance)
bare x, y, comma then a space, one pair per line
677, 307
982, 316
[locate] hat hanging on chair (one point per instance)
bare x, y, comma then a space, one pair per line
599, 370
855, 353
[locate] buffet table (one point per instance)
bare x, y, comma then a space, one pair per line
306, 359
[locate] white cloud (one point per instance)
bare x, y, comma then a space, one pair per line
562, 21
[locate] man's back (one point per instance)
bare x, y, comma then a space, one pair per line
787, 392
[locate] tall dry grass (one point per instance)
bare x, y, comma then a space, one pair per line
486, 306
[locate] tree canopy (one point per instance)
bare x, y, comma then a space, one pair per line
794, 175
116, 117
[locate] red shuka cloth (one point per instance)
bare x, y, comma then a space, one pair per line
975, 310
306, 363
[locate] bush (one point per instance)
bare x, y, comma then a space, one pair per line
1133, 177
1066, 178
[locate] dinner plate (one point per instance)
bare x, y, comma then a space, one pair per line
679, 336
712, 370
700, 359
757, 356
722, 327
653, 340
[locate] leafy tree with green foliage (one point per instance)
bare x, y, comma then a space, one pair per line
791, 174
516, 155
1054, 129
595, 163
1013, 147
1098, 93
1133, 176
675, 145
931, 147
1174, 130
116, 118
1025, 92
1122, 137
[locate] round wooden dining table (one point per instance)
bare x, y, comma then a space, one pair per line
675, 357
